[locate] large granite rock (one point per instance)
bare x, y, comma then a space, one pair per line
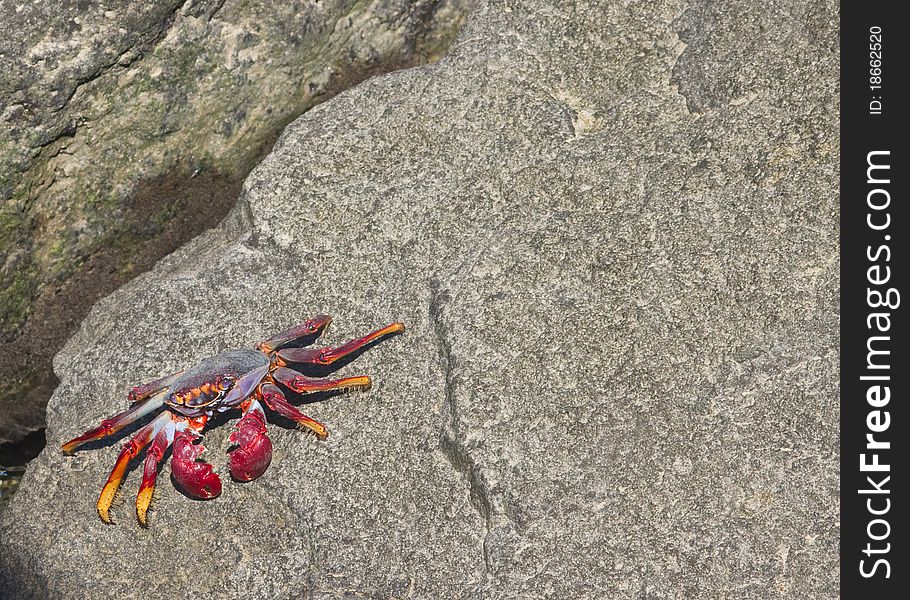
128, 127
612, 231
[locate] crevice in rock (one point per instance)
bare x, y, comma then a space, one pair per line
452, 442
145, 44
17, 454
213, 10
312, 566
685, 73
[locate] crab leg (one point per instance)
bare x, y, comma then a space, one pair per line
116, 423
311, 327
130, 450
141, 392
303, 384
161, 442
254, 448
276, 401
326, 356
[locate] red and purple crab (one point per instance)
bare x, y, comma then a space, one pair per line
246, 379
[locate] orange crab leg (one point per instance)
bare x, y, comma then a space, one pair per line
276, 401
304, 385
116, 423
130, 450
326, 356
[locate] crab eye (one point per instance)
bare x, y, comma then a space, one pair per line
225, 382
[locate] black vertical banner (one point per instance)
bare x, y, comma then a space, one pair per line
875, 373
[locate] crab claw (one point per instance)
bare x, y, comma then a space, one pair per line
195, 477
254, 448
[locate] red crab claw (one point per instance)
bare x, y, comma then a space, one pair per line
194, 477
254, 448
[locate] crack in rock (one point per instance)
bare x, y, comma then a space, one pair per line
452, 441
145, 44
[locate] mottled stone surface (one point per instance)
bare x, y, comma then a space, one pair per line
612, 231
126, 128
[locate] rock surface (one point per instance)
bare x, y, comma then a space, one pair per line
127, 129
612, 231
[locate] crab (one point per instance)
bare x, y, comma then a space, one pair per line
249, 380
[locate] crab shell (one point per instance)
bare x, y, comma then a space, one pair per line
214, 383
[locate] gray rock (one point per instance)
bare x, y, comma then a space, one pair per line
127, 129
612, 231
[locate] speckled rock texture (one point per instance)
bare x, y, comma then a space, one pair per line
612, 231
126, 129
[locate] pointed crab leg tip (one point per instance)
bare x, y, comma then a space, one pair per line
361, 383
113, 484
104, 504
90, 435
143, 500
392, 329
317, 428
